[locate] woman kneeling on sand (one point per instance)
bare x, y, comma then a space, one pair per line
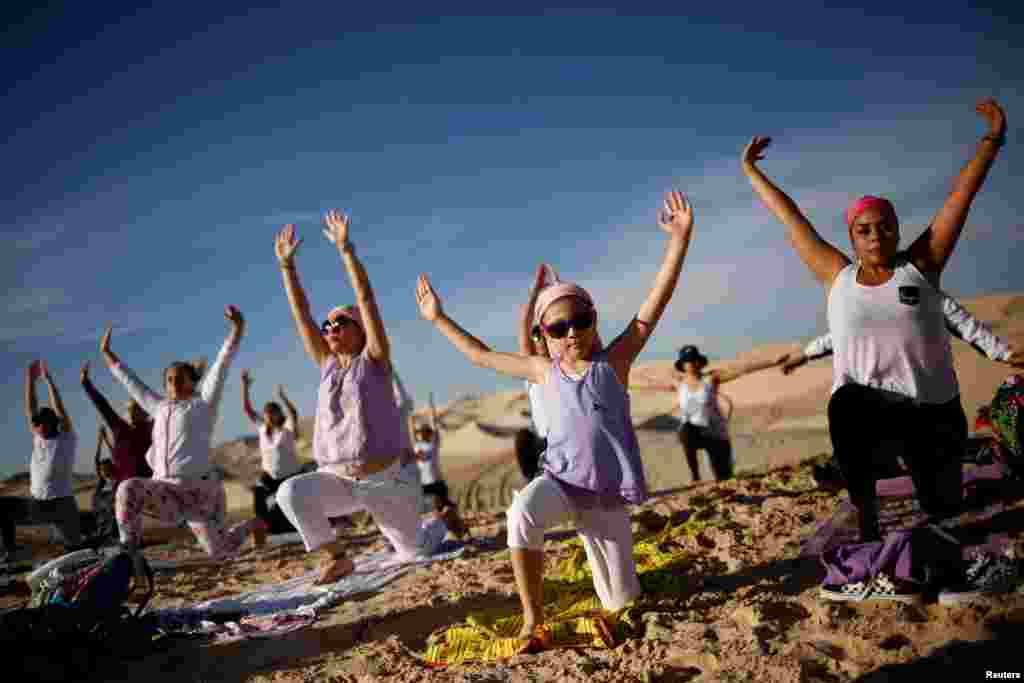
358, 441
592, 463
893, 374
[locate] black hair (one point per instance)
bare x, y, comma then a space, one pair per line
275, 407
192, 370
46, 416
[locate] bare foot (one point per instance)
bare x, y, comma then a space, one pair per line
333, 569
534, 638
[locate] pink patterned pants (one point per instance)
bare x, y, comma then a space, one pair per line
201, 503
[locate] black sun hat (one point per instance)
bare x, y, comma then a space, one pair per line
690, 354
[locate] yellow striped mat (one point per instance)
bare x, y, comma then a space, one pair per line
571, 604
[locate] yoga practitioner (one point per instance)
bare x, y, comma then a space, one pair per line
185, 487
132, 436
592, 463
104, 524
51, 469
702, 424
960, 323
357, 440
277, 435
893, 374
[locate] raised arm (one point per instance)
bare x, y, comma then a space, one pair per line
211, 387
285, 246
377, 346
932, 249
293, 414
33, 371
56, 403
109, 415
253, 416
676, 219
533, 368
148, 399
823, 259
527, 347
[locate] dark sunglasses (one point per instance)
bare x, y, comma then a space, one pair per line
579, 322
336, 324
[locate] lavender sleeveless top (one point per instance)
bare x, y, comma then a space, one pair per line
592, 447
357, 421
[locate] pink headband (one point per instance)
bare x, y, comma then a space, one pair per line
884, 206
553, 293
351, 312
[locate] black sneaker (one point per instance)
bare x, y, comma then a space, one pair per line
987, 575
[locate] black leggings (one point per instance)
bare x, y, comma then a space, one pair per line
274, 517
693, 438
439, 490
868, 433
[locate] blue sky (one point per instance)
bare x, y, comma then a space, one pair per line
151, 154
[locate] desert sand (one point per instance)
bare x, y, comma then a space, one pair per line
752, 611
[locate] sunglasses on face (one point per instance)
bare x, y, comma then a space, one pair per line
579, 322
337, 324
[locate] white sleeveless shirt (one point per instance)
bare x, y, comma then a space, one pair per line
278, 451
891, 337
700, 408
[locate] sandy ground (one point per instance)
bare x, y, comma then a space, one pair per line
753, 611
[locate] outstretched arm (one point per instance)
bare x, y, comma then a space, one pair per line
823, 259
729, 374
377, 347
932, 249
532, 368
143, 395
253, 416
676, 219
293, 414
110, 416
285, 246
527, 347
33, 370
965, 326
56, 403
211, 386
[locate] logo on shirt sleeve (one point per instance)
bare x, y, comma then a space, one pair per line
911, 296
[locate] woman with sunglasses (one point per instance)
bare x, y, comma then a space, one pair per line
592, 466
358, 440
277, 437
893, 365
184, 487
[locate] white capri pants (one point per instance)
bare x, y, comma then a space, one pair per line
606, 534
310, 500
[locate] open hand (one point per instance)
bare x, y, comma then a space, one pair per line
234, 316
427, 299
677, 216
1016, 358
791, 361
337, 227
994, 114
754, 151
285, 244
35, 369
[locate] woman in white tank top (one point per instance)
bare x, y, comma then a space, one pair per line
893, 375
702, 426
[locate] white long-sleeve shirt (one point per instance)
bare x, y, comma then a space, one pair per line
182, 430
960, 323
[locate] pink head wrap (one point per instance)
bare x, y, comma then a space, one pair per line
554, 290
351, 312
884, 206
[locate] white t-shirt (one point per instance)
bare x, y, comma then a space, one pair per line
53, 461
540, 419
277, 450
700, 408
891, 337
428, 460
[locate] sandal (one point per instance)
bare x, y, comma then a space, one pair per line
538, 641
